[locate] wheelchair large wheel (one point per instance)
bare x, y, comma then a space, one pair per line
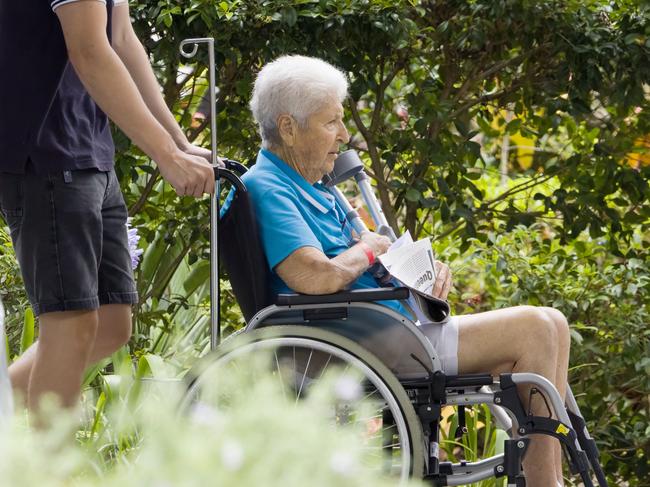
300, 357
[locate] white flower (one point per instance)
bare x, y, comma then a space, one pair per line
342, 463
232, 455
347, 388
203, 414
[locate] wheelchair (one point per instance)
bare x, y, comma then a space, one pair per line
400, 372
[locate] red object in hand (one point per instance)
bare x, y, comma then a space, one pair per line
369, 253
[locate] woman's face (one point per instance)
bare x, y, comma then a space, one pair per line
317, 145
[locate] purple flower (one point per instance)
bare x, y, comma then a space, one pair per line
134, 251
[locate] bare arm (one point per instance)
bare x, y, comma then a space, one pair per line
310, 271
132, 53
108, 81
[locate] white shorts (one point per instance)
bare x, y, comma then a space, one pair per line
444, 338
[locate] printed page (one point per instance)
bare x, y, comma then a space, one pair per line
413, 265
399, 248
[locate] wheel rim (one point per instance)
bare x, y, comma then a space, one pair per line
309, 360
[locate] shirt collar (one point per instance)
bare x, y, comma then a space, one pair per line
317, 194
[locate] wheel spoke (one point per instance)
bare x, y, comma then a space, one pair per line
370, 394
325, 367
304, 375
277, 365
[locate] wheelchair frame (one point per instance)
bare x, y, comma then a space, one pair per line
431, 390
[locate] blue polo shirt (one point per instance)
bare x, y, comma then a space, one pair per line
46, 115
291, 214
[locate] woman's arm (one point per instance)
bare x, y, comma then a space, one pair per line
309, 271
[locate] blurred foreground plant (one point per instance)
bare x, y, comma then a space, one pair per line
258, 439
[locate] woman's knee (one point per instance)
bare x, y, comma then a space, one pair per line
561, 326
539, 329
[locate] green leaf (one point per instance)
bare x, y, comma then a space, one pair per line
27, 334
151, 365
633, 38
412, 194
199, 275
513, 126
151, 261
462, 127
289, 16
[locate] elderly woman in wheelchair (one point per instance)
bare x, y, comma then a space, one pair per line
309, 248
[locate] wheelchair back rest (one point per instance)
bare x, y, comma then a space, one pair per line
241, 252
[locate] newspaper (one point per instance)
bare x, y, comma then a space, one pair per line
413, 265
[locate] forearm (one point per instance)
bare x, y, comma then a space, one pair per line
310, 271
132, 53
107, 80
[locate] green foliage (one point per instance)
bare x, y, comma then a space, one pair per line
27, 335
607, 302
133, 440
13, 296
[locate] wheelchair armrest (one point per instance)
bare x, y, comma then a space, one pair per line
354, 296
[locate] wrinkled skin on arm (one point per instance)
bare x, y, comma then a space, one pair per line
309, 271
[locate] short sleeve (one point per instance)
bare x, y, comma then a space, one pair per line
57, 3
283, 228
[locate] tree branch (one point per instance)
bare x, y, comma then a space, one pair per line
376, 165
138, 205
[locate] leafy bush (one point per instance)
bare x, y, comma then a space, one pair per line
607, 302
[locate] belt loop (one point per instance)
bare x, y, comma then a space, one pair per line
67, 176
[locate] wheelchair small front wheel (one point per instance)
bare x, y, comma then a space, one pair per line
301, 357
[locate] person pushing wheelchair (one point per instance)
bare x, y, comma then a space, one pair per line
297, 104
77, 63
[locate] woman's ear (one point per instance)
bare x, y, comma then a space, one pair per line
287, 129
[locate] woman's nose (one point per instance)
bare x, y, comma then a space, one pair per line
344, 136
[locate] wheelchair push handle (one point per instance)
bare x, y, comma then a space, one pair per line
230, 165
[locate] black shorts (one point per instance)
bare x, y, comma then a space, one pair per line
70, 237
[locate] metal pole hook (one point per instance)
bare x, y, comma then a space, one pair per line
215, 324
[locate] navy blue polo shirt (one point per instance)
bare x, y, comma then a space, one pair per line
291, 214
46, 115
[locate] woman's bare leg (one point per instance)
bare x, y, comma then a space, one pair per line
520, 339
561, 377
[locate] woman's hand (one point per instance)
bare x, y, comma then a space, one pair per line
378, 243
443, 281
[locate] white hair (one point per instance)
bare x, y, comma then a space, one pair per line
296, 85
